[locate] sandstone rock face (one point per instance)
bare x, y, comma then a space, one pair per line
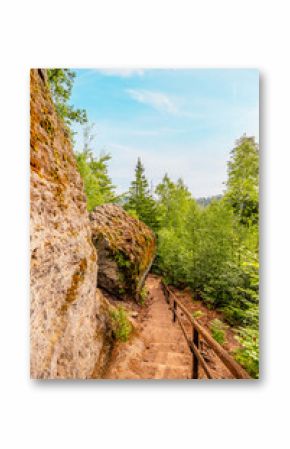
69, 324
126, 249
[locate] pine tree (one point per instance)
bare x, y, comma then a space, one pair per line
140, 202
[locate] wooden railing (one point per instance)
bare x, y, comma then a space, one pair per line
200, 333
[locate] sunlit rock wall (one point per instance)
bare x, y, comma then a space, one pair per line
69, 325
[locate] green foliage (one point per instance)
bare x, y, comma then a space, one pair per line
174, 204
243, 180
213, 248
176, 210
218, 328
174, 257
127, 273
122, 328
197, 314
244, 307
133, 213
248, 334
140, 202
248, 355
143, 295
213, 253
122, 260
94, 172
61, 84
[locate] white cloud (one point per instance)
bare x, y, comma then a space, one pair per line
157, 100
123, 73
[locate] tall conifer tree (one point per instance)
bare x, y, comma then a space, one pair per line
140, 201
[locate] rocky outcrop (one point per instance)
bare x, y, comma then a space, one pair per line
126, 249
70, 334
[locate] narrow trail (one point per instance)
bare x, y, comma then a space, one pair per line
158, 349
167, 355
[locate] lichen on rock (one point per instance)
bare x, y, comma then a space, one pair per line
126, 248
69, 323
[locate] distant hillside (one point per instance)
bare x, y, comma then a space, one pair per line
205, 200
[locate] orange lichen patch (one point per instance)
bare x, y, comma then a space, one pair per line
123, 232
48, 145
47, 125
77, 278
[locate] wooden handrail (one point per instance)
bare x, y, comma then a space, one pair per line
195, 350
199, 331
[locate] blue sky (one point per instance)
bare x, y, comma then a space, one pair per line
183, 122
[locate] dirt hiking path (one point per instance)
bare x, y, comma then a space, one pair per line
158, 349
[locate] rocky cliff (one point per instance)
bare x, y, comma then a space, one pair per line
69, 325
126, 249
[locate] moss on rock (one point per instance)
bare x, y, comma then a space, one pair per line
126, 248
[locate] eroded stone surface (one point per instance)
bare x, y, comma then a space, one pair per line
69, 325
126, 248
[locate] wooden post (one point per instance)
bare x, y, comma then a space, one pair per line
174, 308
166, 295
164, 289
194, 358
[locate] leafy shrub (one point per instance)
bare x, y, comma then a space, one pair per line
143, 295
122, 327
248, 355
218, 329
133, 213
174, 257
197, 314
